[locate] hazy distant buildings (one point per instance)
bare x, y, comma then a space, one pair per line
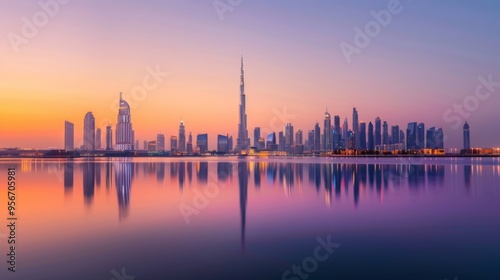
317, 138
466, 136
124, 132
395, 134
256, 136
69, 135
89, 132
271, 142
337, 133
202, 143
151, 146
189, 144
385, 133
182, 137
98, 139
109, 138
160, 142
243, 142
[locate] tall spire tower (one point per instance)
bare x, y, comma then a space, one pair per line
243, 142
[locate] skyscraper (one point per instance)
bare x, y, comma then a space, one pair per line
395, 134
160, 142
431, 138
202, 142
439, 136
89, 132
371, 138
189, 145
327, 132
310, 140
173, 143
222, 143
298, 137
337, 133
109, 138
317, 137
124, 133
182, 137
288, 137
466, 136
69, 135
362, 136
98, 139
256, 136
355, 127
345, 133
385, 133
421, 136
243, 142
281, 141
378, 132
411, 136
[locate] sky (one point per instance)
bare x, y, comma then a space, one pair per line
61, 59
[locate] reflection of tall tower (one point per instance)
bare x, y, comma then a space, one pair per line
88, 182
243, 141
124, 133
466, 136
243, 184
68, 176
123, 180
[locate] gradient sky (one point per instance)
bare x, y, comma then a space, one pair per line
428, 58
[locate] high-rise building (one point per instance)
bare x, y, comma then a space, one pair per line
421, 136
371, 137
401, 136
310, 141
337, 133
109, 138
189, 145
281, 141
288, 137
317, 137
271, 142
173, 143
362, 136
385, 133
89, 132
124, 132
261, 144
202, 143
256, 136
145, 145
222, 144
69, 135
466, 136
395, 134
430, 138
345, 133
160, 142
230, 143
378, 131
298, 137
98, 139
327, 132
439, 139
243, 142
355, 127
182, 137
411, 136
151, 146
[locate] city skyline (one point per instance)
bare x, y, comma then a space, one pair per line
396, 77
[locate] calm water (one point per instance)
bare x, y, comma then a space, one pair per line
227, 218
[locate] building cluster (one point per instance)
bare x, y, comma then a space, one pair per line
330, 138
